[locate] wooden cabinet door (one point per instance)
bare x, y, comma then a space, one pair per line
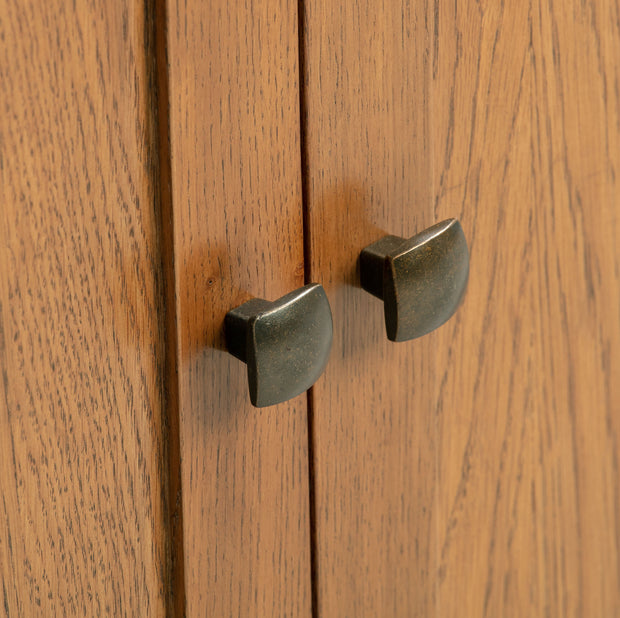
83, 448
473, 472
237, 219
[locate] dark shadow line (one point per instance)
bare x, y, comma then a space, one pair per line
175, 579
305, 178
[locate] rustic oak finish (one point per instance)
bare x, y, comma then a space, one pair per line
237, 209
526, 151
473, 472
82, 464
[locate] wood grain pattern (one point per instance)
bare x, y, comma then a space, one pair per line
368, 169
526, 142
82, 517
473, 472
236, 197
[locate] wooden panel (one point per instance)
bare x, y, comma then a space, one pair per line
368, 172
81, 471
473, 472
236, 198
526, 141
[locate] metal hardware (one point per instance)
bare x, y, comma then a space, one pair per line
284, 343
421, 280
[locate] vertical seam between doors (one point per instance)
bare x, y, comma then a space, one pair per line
175, 580
307, 244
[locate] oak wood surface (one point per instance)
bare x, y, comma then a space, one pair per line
473, 472
526, 150
82, 515
237, 210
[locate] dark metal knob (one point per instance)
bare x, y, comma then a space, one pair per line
285, 343
421, 280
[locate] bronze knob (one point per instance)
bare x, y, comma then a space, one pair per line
421, 280
285, 343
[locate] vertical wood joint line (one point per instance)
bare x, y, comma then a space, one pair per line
175, 580
305, 179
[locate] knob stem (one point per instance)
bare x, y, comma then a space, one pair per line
237, 324
372, 263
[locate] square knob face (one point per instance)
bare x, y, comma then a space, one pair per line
424, 281
287, 345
